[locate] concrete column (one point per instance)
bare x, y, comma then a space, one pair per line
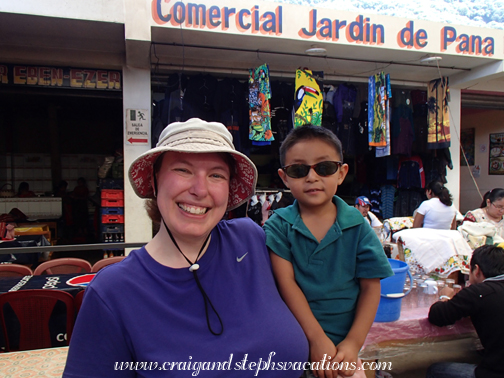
453, 175
136, 95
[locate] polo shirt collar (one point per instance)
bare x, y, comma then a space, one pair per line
346, 218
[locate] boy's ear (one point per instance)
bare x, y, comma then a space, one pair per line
283, 176
342, 172
478, 273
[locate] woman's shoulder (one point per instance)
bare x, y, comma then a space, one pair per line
239, 226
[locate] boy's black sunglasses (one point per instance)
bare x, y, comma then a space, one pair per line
324, 168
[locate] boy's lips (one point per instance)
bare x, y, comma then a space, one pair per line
314, 190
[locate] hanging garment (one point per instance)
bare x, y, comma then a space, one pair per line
259, 107
411, 173
385, 151
378, 96
308, 99
438, 117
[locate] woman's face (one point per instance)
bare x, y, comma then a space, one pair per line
192, 193
496, 208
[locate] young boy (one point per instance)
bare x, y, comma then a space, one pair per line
327, 260
483, 301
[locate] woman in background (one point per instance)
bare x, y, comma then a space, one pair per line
491, 210
437, 212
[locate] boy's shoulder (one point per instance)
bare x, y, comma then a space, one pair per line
348, 216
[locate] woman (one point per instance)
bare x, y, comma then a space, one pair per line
200, 295
491, 210
437, 212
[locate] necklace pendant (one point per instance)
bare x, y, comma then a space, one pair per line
193, 267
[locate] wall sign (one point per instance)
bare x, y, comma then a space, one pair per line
137, 126
496, 155
59, 77
326, 25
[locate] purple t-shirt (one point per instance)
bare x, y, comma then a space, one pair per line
141, 311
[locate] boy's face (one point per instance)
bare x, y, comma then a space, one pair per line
313, 190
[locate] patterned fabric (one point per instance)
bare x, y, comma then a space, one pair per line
48, 362
259, 107
308, 100
434, 251
385, 151
378, 118
438, 117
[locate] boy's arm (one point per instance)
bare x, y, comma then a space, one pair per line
367, 304
291, 293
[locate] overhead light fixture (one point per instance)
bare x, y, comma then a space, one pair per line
429, 59
316, 51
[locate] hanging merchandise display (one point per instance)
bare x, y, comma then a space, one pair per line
438, 96
259, 107
308, 98
378, 114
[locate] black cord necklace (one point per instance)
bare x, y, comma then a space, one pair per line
194, 269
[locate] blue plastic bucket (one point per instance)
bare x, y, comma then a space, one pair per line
392, 289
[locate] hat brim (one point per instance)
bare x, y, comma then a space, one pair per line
241, 187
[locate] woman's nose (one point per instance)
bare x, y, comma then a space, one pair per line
199, 185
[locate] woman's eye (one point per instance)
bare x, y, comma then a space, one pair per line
184, 170
219, 176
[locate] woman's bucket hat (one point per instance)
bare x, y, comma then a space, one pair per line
196, 136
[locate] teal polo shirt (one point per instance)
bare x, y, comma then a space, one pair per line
328, 272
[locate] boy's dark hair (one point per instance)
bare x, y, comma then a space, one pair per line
440, 191
308, 132
492, 195
490, 259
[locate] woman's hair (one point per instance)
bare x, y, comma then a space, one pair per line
492, 195
309, 132
440, 191
23, 187
490, 259
151, 204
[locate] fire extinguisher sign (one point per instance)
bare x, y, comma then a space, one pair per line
137, 126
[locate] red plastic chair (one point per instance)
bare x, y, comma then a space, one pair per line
104, 262
78, 301
33, 309
14, 270
63, 266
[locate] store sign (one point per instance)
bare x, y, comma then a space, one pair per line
59, 77
137, 126
327, 25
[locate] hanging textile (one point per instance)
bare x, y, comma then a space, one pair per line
438, 95
308, 99
385, 151
378, 116
259, 108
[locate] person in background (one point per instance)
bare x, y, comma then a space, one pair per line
24, 190
201, 292
437, 212
364, 206
483, 301
491, 210
61, 189
327, 260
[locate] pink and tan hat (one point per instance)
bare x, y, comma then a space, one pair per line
196, 136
